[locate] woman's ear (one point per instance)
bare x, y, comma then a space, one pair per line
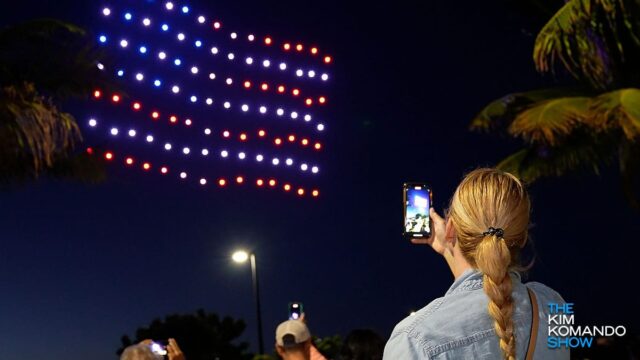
450, 233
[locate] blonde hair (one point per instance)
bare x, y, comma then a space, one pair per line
492, 198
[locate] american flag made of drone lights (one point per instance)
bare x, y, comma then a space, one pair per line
211, 106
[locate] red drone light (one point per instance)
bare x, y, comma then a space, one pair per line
226, 134
315, 193
262, 133
115, 98
217, 25
247, 84
305, 142
259, 182
301, 191
295, 92
146, 166
264, 86
292, 138
173, 119
239, 179
243, 137
280, 89
108, 155
267, 40
287, 46
322, 100
90, 150
287, 187
314, 50
97, 94
272, 183
309, 102
155, 114
277, 141
222, 182
136, 106
129, 161
164, 170
318, 146
327, 59
299, 47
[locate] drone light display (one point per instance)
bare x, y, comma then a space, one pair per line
207, 105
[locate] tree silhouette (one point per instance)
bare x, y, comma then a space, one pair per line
201, 336
329, 346
42, 64
592, 123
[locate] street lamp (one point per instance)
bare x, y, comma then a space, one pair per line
240, 257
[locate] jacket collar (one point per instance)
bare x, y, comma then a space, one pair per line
471, 279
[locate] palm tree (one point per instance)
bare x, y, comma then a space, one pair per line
594, 122
43, 63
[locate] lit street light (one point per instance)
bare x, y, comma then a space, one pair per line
240, 257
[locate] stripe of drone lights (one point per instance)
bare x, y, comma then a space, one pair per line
130, 162
173, 119
286, 46
244, 107
181, 37
224, 153
268, 40
246, 84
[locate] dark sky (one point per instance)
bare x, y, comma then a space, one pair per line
82, 265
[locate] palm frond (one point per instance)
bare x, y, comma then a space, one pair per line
499, 114
550, 121
580, 151
31, 125
585, 36
552, 39
618, 109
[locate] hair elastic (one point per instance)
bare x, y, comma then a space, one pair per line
499, 232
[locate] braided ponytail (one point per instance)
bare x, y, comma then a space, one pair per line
493, 259
485, 199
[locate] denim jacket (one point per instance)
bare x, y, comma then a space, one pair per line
458, 325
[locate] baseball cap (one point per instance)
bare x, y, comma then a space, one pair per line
291, 333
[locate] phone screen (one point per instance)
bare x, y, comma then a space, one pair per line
417, 201
159, 348
295, 310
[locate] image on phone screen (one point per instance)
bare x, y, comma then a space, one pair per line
159, 348
417, 203
295, 310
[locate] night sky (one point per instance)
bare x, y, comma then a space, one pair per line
81, 265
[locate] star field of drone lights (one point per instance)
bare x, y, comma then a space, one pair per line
218, 107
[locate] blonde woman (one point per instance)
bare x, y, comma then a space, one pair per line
488, 313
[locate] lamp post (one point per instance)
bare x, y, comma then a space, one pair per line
240, 257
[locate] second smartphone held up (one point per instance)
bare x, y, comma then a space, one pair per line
295, 310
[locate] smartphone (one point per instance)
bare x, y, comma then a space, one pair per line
417, 199
295, 310
159, 347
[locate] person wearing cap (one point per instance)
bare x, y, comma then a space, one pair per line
293, 340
